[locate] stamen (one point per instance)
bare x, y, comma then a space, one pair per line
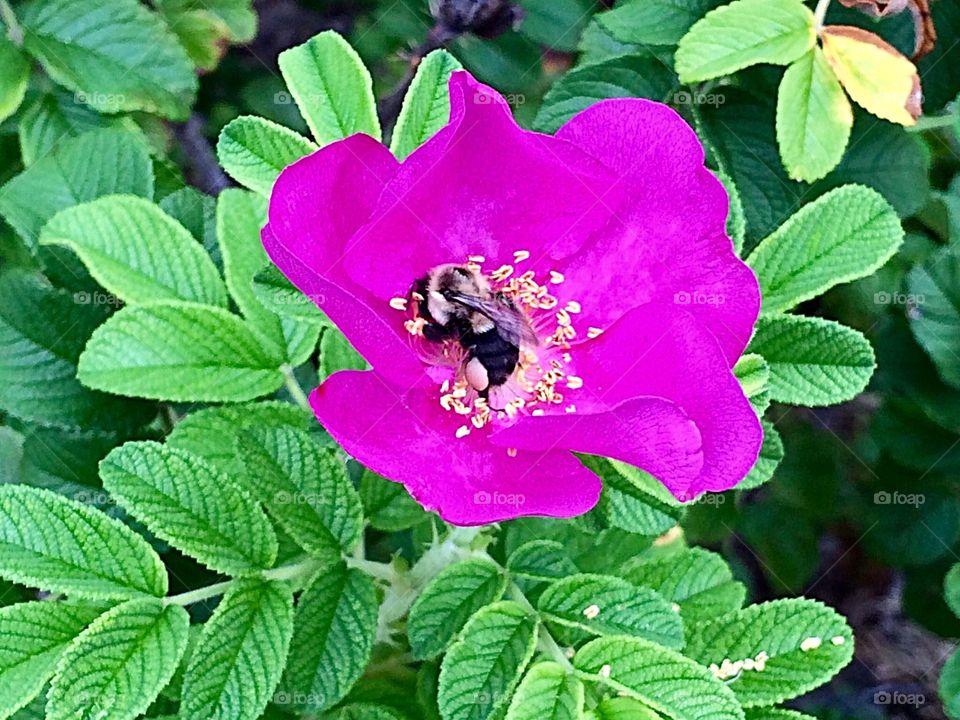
512, 452
556, 277
479, 259
573, 306
593, 332
502, 273
398, 303
521, 255
574, 382
462, 431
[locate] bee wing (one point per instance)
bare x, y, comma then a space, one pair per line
510, 322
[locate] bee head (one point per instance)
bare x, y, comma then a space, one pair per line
444, 283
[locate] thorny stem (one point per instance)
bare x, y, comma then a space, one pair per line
295, 571
293, 387
14, 29
819, 14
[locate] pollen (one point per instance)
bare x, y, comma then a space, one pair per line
574, 382
838, 640
573, 307
590, 613
605, 671
571, 408
556, 277
521, 255
512, 452
593, 332
462, 431
502, 273
398, 303
478, 259
415, 326
811, 643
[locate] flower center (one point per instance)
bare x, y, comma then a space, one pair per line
498, 342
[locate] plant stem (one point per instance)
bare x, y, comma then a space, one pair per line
382, 571
293, 387
545, 640
14, 29
819, 14
934, 122
296, 571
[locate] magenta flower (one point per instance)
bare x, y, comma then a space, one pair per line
607, 243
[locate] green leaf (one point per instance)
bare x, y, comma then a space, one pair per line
102, 162
336, 353
241, 653
331, 87
548, 692
201, 33
238, 16
136, 251
304, 487
662, 678
814, 118
949, 686
14, 76
426, 106
387, 505
936, 318
623, 708
34, 636
181, 352
213, 433
887, 157
623, 76
448, 601
630, 500
279, 295
744, 33
197, 212
741, 137
364, 711
813, 361
541, 560
253, 151
806, 644
118, 665
699, 581
843, 235
56, 116
481, 670
42, 333
654, 22
189, 503
951, 589
333, 635
240, 215
771, 453
116, 55
771, 713
606, 605
60, 545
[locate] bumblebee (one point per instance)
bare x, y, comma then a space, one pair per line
457, 303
